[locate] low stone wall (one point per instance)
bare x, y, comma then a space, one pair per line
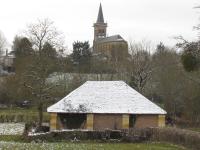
139, 135
126, 135
56, 136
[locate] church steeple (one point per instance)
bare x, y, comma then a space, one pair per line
100, 26
100, 18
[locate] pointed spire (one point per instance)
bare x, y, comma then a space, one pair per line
100, 18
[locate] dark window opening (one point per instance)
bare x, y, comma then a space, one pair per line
132, 120
73, 121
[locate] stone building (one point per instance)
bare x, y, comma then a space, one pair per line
114, 47
100, 105
7, 62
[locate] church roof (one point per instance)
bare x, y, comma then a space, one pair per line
105, 97
114, 38
100, 18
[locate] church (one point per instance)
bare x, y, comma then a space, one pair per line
113, 47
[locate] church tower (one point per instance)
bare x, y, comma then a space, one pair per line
107, 47
100, 26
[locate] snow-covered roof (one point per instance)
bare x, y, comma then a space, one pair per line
105, 97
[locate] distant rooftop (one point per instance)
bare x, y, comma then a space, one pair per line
112, 38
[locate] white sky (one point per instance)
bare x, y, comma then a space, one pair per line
155, 20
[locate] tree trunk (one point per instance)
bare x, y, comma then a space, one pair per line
40, 111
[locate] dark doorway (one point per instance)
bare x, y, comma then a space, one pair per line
73, 121
132, 120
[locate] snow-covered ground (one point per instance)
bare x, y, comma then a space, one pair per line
11, 128
87, 146
49, 146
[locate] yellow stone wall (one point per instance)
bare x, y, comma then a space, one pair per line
107, 121
161, 120
90, 121
53, 121
141, 121
115, 50
125, 121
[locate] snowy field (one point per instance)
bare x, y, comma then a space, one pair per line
11, 128
87, 146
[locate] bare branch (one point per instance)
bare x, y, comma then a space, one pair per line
44, 31
3, 43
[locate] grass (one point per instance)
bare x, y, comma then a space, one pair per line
14, 110
21, 115
12, 138
89, 146
194, 129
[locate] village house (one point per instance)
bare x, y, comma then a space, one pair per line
100, 105
7, 62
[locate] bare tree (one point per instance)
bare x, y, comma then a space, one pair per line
43, 32
3, 43
41, 65
140, 68
167, 79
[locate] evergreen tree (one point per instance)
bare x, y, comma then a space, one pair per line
190, 56
49, 51
82, 56
22, 47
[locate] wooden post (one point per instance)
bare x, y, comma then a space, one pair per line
125, 121
90, 121
161, 120
53, 121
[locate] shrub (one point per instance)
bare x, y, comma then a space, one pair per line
186, 138
21, 117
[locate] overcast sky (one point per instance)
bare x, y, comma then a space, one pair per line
155, 20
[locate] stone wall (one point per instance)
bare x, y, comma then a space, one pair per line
115, 49
113, 121
107, 121
143, 121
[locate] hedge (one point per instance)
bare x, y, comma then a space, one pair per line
186, 138
21, 117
